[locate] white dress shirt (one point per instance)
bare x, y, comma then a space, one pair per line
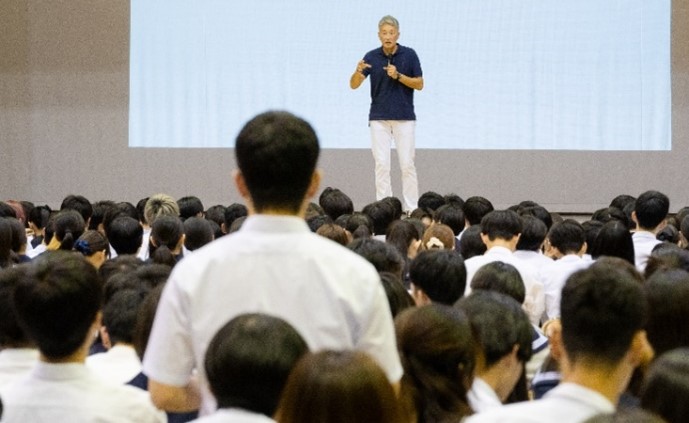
554, 278
482, 397
118, 365
234, 415
644, 242
15, 363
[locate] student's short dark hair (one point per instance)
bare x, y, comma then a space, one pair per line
400, 234
666, 256
500, 323
198, 232
233, 212
568, 236
141, 209
316, 222
454, 200
119, 264
78, 203
602, 308
667, 292
18, 234
613, 240
69, 226
431, 200
335, 203
120, 313
451, 216
125, 235
537, 211
609, 213
384, 257
471, 244
500, 277
39, 216
621, 201
534, 232
501, 224
249, 359
12, 335
441, 274
216, 214
153, 274
651, 209
475, 208
189, 206
277, 154
359, 222
120, 209
57, 302
591, 228
6, 210
666, 386
398, 296
396, 206
382, 215
99, 210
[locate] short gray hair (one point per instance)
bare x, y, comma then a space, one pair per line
389, 20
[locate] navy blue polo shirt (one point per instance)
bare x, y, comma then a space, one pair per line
390, 99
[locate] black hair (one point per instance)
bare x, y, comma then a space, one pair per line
335, 203
602, 308
398, 296
400, 234
91, 242
189, 206
500, 277
666, 390
475, 208
249, 359
277, 153
384, 257
534, 232
69, 225
471, 244
501, 224
441, 274
216, 214
538, 212
382, 215
431, 200
120, 313
39, 216
359, 225
12, 335
78, 203
568, 236
233, 212
613, 240
667, 292
119, 264
198, 232
451, 216
125, 234
57, 302
99, 210
651, 209
166, 232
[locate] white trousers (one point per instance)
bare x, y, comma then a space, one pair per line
383, 132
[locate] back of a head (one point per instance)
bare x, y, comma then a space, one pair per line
621, 201
198, 232
472, 245
190, 206
451, 216
335, 203
359, 225
666, 387
383, 256
499, 323
568, 236
92, 242
398, 297
119, 264
12, 335
6, 210
125, 235
333, 232
475, 208
69, 225
39, 216
438, 352
538, 212
666, 256
431, 200
233, 212
501, 224
614, 240
338, 387
396, 205
401, 234
382, 215
624, 415
667, 292
166, 233
216, 214
602, 309
7, 255
438, 237
500, 277
57, 302
534, 232
120, 313
78, 203
651, 208
159, 205
441, 274
277, 153
249, 359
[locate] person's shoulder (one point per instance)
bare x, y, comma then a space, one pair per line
133, 402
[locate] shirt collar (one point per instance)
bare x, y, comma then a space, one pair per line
274, 224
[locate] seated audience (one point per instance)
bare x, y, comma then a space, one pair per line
613, 240
603, 311
335, 203
197, 233
650, 211
472, 245
384, 257
125, 235
338, 387
438, 236
190, 206
58, 303
530, 244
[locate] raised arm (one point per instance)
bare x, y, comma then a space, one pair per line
358, 76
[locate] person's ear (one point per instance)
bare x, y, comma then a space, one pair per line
420, 297
180, 243
240, 183
105, 337
314, 184
641, 350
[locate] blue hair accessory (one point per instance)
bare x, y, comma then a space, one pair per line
83, 247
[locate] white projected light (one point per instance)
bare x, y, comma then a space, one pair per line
499, 74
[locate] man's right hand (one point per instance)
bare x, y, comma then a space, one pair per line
361, 66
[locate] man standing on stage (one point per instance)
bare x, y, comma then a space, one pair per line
395, 73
